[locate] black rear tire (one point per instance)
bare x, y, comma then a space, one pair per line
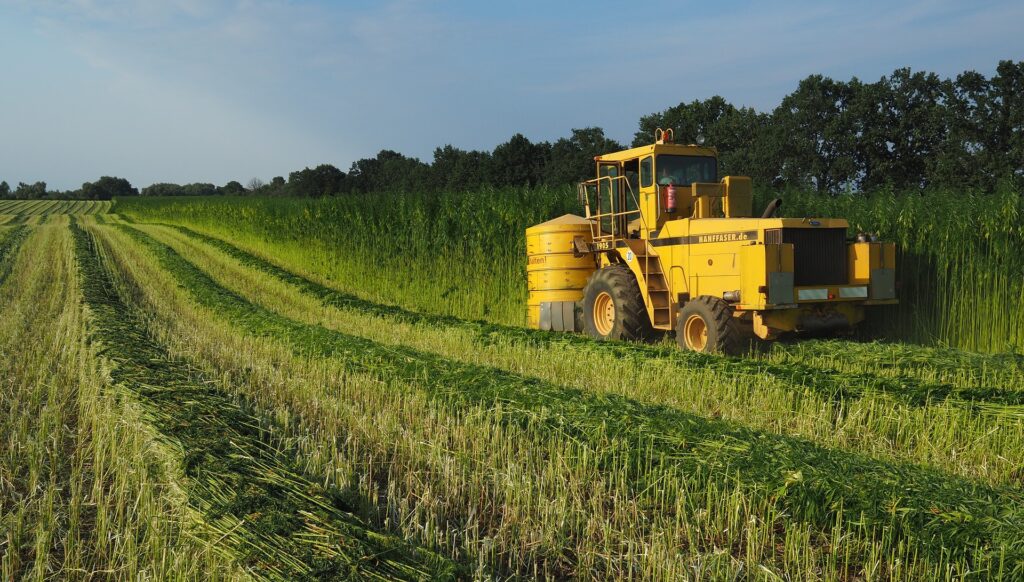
722, 333
615, 283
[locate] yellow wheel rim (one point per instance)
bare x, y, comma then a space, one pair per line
695, 332
604, 313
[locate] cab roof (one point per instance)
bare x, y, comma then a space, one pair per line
658, 148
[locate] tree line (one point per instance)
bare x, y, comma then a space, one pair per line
907, 130
105, 188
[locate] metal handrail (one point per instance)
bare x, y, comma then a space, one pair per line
596, 182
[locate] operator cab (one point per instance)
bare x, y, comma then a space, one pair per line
638, 190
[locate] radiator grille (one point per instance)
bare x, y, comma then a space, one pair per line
819, 254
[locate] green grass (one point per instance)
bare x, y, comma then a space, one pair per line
252, 492
393, 249
929, 512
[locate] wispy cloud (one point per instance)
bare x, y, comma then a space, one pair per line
227, 89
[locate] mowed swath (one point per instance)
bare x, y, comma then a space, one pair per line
288, 424
87, 490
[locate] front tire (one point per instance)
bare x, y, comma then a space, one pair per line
706, 325
613, 307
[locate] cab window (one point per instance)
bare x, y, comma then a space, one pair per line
608, 191
685, 170
647, 172
630, 168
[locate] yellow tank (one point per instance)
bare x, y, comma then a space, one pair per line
554, 275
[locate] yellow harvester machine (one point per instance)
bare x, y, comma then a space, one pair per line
668, 245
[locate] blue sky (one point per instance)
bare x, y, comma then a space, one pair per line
211, 90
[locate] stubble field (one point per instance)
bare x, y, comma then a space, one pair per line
182, 403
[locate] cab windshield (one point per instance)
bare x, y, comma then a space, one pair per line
685, 170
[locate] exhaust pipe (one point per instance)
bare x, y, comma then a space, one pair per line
772, 208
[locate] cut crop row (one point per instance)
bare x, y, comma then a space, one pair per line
26, 208
832, 384
9, 245
39, 423
17, 220
250, 487
897, 360
87, 490
18, 206
943, 516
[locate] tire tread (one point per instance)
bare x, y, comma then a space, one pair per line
628, 299
729, 338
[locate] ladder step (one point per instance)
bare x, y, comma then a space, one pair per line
657, 285
661, 317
